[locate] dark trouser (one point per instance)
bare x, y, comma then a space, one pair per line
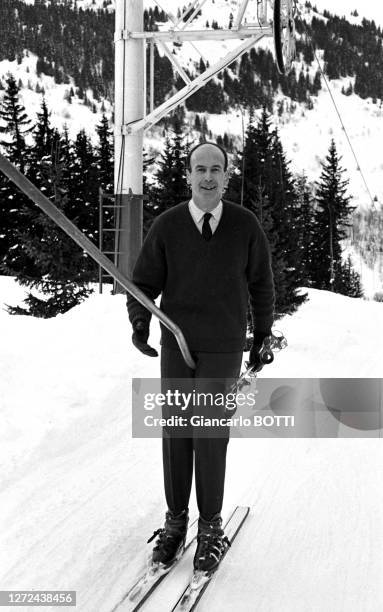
213, 374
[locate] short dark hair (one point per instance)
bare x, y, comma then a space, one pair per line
200, 144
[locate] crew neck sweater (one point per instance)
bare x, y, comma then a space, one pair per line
206, 285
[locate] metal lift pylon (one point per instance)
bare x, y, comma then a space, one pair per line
131, 118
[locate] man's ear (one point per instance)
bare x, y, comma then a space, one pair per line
188, 177
226, 179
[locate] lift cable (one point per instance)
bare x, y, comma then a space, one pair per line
358, 165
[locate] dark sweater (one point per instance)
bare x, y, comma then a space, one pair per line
205, 285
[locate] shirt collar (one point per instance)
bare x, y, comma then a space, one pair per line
198, 213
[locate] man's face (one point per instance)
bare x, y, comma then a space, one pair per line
207, 177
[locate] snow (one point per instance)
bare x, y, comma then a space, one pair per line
75, 116
370, 9
305, 134
372, 277
79, 496
306, 137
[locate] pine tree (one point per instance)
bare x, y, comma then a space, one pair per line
331, 219
105, 179
18, 261
9, 208
253, 166
63, 272
45, 137
44, 257
305, 220
171, 188
302, 87
104, 155
13, 203
286, 213
317, 84
13, 113
348, 280
286, 225
83, 208
268, 191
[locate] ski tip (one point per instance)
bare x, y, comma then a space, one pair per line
243, 510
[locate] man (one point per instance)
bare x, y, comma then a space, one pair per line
206, 257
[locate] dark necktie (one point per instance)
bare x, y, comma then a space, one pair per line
206, 229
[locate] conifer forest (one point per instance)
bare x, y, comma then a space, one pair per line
306, 222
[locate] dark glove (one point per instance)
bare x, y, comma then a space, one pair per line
255, 362
140, 338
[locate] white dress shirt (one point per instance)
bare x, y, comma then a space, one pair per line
197, 215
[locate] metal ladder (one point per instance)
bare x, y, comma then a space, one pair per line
108, 231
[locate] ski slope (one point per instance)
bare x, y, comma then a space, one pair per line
79, 497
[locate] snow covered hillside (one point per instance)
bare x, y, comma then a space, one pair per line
305, 134
76, 116
370, 9
79, 497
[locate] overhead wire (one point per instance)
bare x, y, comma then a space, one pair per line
358, 167
323, 74
358, 164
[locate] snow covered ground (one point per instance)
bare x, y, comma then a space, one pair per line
79, 496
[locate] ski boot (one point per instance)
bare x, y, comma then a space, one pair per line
170, 543
211, 545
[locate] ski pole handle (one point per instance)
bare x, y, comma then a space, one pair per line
266, 354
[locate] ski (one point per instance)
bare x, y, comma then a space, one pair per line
151, 577
200, 580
